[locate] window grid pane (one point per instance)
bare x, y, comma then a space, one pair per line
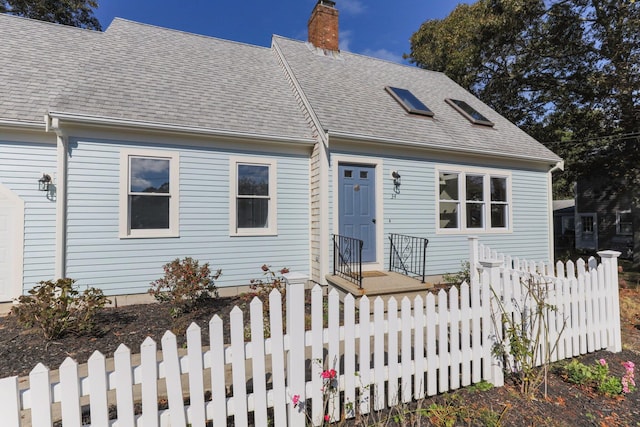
253, 201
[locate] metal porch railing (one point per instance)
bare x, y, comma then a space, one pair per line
347, 258
408, 255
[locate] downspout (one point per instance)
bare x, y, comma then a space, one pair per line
62, 148
558, 166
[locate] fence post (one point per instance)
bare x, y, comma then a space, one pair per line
296, 356
491, 320
610, 262
10, 402
473, 259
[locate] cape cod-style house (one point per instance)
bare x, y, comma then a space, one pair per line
124, 149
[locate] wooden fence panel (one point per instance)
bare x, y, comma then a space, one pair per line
238, 370
149, 381
39, 384
406, 359
171, 364
443, 334
476, 333
296, 344
277, 360
454, 338
419, 348
431, 345
98, 387
70, 393
349, 323
317, 355
465, 334
422, 347
364, 321
393, 393
259, 374
197, 409
334, 353
378, 354
124, 384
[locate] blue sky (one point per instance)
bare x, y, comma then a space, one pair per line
371, 27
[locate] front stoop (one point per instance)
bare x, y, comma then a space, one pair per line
384, 284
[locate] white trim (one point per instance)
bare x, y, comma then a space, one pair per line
438, 147
17, 257
272, 228
377, 163
166, 127
174, 194
462, 220
60, 189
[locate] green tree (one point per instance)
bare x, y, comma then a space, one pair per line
77, 13
565, 71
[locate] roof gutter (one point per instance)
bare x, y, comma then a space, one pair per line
165, 127
559, 166
16, 124
366, 138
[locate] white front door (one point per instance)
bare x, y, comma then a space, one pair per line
11, 244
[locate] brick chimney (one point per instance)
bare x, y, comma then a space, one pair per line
323, 25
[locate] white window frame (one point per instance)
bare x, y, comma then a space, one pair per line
487, 174
272, 214
125, 230
618, 229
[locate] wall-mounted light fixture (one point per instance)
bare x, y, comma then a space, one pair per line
396, 181
44, 182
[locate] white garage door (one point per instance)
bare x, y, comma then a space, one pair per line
11, 244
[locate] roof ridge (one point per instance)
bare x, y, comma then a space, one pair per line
366, 56
8, 15
188, 33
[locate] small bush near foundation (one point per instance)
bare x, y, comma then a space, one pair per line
58, 308
185, 283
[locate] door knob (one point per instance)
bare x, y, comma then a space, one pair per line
373, 220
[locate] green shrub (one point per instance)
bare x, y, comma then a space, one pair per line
58, 308
464, 275
262, 288
185, 284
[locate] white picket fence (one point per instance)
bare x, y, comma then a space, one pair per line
383, 356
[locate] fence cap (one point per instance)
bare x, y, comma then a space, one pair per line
490, 263
295, 277
609, 254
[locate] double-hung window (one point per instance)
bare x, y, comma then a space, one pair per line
624, 223
149, 193
253, 197
473, 200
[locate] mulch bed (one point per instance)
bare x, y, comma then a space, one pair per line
567, 404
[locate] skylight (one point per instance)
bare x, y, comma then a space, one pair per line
469, 112
408, 100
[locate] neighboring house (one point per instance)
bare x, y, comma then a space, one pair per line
604, 217
162, 144
564, 225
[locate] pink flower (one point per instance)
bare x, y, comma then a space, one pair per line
327, 417
329, 374
295, 399
603, 362
629, 365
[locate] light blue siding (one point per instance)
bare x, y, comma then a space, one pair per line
98, 257
413, 212
21, 165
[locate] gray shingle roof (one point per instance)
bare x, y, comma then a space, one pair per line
144, 73
347, 94
36, 61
